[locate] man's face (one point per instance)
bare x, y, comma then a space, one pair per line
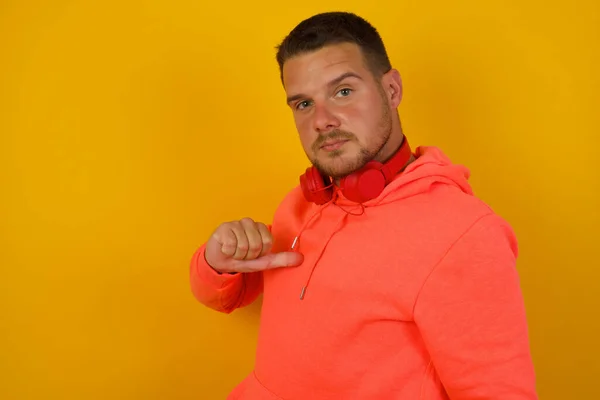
342, 113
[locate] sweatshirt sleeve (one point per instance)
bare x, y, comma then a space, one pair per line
471, 315
222, 292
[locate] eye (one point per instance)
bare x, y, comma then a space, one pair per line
303, 104
345, 92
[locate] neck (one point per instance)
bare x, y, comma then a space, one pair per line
387, 152
393, 143
396, 149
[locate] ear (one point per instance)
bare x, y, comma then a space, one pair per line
392, 84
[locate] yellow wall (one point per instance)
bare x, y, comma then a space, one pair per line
127, 128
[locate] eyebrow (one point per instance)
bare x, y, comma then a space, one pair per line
332, 82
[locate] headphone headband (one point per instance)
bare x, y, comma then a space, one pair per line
397, 162
359, 186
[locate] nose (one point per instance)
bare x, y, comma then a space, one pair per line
323, 119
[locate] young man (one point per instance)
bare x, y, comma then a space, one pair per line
383, 276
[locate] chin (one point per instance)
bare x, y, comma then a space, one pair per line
338, 167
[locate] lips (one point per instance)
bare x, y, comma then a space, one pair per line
331, 145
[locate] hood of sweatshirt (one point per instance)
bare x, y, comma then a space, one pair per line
430, 166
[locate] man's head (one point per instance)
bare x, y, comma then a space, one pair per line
342, 91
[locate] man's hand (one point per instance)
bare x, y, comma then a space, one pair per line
244, 246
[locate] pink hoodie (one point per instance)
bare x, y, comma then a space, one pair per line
413, 295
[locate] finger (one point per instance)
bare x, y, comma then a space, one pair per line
227, 239
266, 237
242, 241
271, 261
254, 238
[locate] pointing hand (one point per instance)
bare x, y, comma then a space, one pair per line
245, 246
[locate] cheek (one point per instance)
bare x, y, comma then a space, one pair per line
305, 134
306, 141
306, 137
370, 108
369, 113
303, 125
357, 119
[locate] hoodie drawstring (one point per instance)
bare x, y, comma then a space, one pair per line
336, 230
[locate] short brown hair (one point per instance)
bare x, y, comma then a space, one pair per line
329, 28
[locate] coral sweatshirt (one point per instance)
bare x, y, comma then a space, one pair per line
413, 295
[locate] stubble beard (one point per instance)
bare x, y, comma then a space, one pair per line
338, 165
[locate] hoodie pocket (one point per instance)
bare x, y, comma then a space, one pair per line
251, 389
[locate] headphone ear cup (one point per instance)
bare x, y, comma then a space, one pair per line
364, 185
315, 186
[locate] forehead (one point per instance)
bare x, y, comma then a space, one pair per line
318, 67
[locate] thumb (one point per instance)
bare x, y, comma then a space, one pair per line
275, 260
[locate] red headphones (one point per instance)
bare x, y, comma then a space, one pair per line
360, 186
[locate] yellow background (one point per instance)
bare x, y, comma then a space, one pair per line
130, 129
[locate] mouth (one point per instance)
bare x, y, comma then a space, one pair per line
333, 144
